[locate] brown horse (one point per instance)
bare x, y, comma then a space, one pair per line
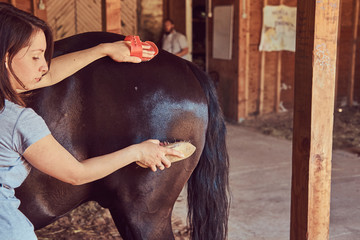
108, 106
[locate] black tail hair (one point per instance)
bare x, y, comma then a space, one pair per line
208, 186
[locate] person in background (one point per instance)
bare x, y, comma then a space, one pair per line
26, 46
173, 41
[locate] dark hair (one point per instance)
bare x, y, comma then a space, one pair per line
170, 20
16, 29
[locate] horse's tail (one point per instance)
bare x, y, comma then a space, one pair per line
208, 186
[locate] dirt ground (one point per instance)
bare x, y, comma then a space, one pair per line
346, 127
92, 222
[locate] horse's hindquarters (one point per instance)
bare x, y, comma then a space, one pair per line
108, 106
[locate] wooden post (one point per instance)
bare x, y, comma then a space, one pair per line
353, 53
338, 53
262, 77
278, 82
278, 77
244, 60
315, 67
112, 16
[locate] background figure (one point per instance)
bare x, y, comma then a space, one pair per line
173, 41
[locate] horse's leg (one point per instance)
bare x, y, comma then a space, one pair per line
143, 210
143, 200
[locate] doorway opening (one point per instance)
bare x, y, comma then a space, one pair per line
199, 33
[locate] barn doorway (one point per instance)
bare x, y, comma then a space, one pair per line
199, 33
189, 17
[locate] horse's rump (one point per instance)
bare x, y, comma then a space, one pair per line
107, 106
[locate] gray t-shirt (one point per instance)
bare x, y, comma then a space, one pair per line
174, 43
19, 128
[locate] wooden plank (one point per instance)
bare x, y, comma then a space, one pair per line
255, 18
39, 9
353, 53
254, 76
262, 76
228, 86
262, 83
287, 73
287, 80
345, 49
268, 77
278, 82
315, 67
61, 17
244, 58
338, 53
278, 77
128, 17
88, 16
24, 5
112, 16
270, 71
166, 9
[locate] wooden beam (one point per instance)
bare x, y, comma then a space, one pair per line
338, 54
278, 77
244, 60
262, 76
165, 9
315, 67
278, 83
112, 16
353, 53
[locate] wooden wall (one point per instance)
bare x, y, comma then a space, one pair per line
275, 70
227, 69
32, 6
255, 83
348, 84
176, 11
150, 18
70, 17
128, 17
251, 83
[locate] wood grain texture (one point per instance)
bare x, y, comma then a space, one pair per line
315, 65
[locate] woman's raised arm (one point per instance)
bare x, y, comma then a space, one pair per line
68, 64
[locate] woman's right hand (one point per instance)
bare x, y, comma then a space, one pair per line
153, 155
120, 51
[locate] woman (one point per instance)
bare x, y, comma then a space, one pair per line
25, 53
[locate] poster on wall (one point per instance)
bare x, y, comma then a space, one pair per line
279, 28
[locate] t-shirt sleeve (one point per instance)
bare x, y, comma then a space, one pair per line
29, 128
183, 41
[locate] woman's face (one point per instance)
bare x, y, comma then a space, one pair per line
29, 63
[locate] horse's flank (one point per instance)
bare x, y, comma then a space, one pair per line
108, 106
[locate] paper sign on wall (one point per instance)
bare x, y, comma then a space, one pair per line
279, 28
